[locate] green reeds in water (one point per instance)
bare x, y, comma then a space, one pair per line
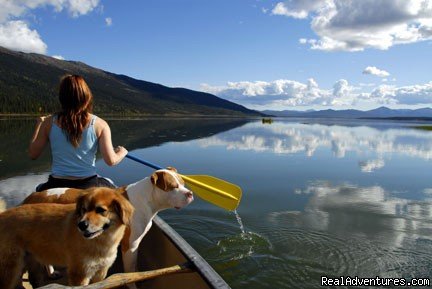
424, 127
267, 120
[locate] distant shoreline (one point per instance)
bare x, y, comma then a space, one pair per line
128, 116
203, 116
400, 118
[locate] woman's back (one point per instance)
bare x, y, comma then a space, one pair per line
68, 160
75, 135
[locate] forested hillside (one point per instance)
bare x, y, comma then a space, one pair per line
29, 83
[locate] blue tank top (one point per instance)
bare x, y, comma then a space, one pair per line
70, 161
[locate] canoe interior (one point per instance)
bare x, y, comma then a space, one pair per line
163, 247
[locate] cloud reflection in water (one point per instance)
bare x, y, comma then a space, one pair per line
372, 145
362, 230
14, 190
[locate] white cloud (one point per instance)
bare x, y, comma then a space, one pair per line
80, 7
357, 25
303, 40
284, 93
59, 57
375, 71
17, 35
296, 9
341, 88
108, 21
412, 94
13, 9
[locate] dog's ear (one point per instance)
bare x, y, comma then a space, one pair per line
81, 204
172, 169
124, 209
164, 180
122, 191
154, 178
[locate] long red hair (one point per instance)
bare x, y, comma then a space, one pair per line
76, 102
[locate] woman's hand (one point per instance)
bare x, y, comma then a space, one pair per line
41, 119
121, 150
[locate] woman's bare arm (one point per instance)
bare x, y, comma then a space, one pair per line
40, 137
110, 155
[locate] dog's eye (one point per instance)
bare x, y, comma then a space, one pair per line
100, 210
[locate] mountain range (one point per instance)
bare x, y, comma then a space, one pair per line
381, 112
29, 84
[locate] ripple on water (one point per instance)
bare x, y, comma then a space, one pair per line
289, 254
243, 245
242, 258
309, 253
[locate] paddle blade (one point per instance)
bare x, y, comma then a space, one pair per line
216, 191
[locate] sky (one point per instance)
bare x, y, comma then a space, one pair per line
295, 55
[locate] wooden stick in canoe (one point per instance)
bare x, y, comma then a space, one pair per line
121, 279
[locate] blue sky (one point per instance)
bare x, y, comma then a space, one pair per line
262, 54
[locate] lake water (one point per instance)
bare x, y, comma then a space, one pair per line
320, 197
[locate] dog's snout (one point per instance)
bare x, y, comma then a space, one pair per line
83, 225
189, 194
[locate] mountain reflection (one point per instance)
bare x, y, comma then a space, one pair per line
131, 133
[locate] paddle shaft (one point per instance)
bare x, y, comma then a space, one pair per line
120, 279
149, 164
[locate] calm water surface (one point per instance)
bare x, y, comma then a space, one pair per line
319, 197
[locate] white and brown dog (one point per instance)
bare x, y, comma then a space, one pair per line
164, 189
82, 237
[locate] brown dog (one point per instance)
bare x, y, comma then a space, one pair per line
162, 190
82, 237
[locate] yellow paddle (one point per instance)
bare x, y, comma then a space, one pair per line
213, 190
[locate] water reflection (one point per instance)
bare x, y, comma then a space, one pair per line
14, 190
342, 229
294, 138
131, 133
356, 230
343, 209
318, 199
371, 165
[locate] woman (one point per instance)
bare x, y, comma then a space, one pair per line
74, 134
